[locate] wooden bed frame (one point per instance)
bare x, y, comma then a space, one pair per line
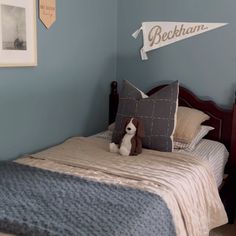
224, 122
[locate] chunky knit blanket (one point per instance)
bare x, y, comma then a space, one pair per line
38, 202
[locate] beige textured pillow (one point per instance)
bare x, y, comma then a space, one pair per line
188, 124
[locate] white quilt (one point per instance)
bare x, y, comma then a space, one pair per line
186, 184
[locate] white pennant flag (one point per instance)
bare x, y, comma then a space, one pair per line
160, 33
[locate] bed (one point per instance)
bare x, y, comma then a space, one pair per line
102, 193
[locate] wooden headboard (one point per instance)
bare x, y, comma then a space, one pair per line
223, 120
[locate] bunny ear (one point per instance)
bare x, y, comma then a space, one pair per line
140, 129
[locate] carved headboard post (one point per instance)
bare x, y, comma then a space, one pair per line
233, 138
113, 102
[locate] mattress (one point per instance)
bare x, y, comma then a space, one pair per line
214, 153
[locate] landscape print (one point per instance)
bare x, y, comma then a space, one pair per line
13, 28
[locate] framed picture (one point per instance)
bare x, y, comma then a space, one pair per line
18, 33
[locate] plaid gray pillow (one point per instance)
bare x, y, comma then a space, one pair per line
158, 113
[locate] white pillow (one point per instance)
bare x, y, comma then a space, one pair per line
188, 124
204, 130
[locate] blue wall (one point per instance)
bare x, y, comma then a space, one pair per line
206, 63
90, 45
66, 94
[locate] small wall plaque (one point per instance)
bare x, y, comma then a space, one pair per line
47, 12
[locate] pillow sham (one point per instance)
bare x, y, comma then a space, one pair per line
188, 124
204, 130
157, 112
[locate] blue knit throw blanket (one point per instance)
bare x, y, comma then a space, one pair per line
38, 202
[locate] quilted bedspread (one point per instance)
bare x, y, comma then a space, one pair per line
39, 202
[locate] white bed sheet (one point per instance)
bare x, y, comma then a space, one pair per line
214, 153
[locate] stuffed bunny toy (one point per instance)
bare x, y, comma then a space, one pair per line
131, 143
